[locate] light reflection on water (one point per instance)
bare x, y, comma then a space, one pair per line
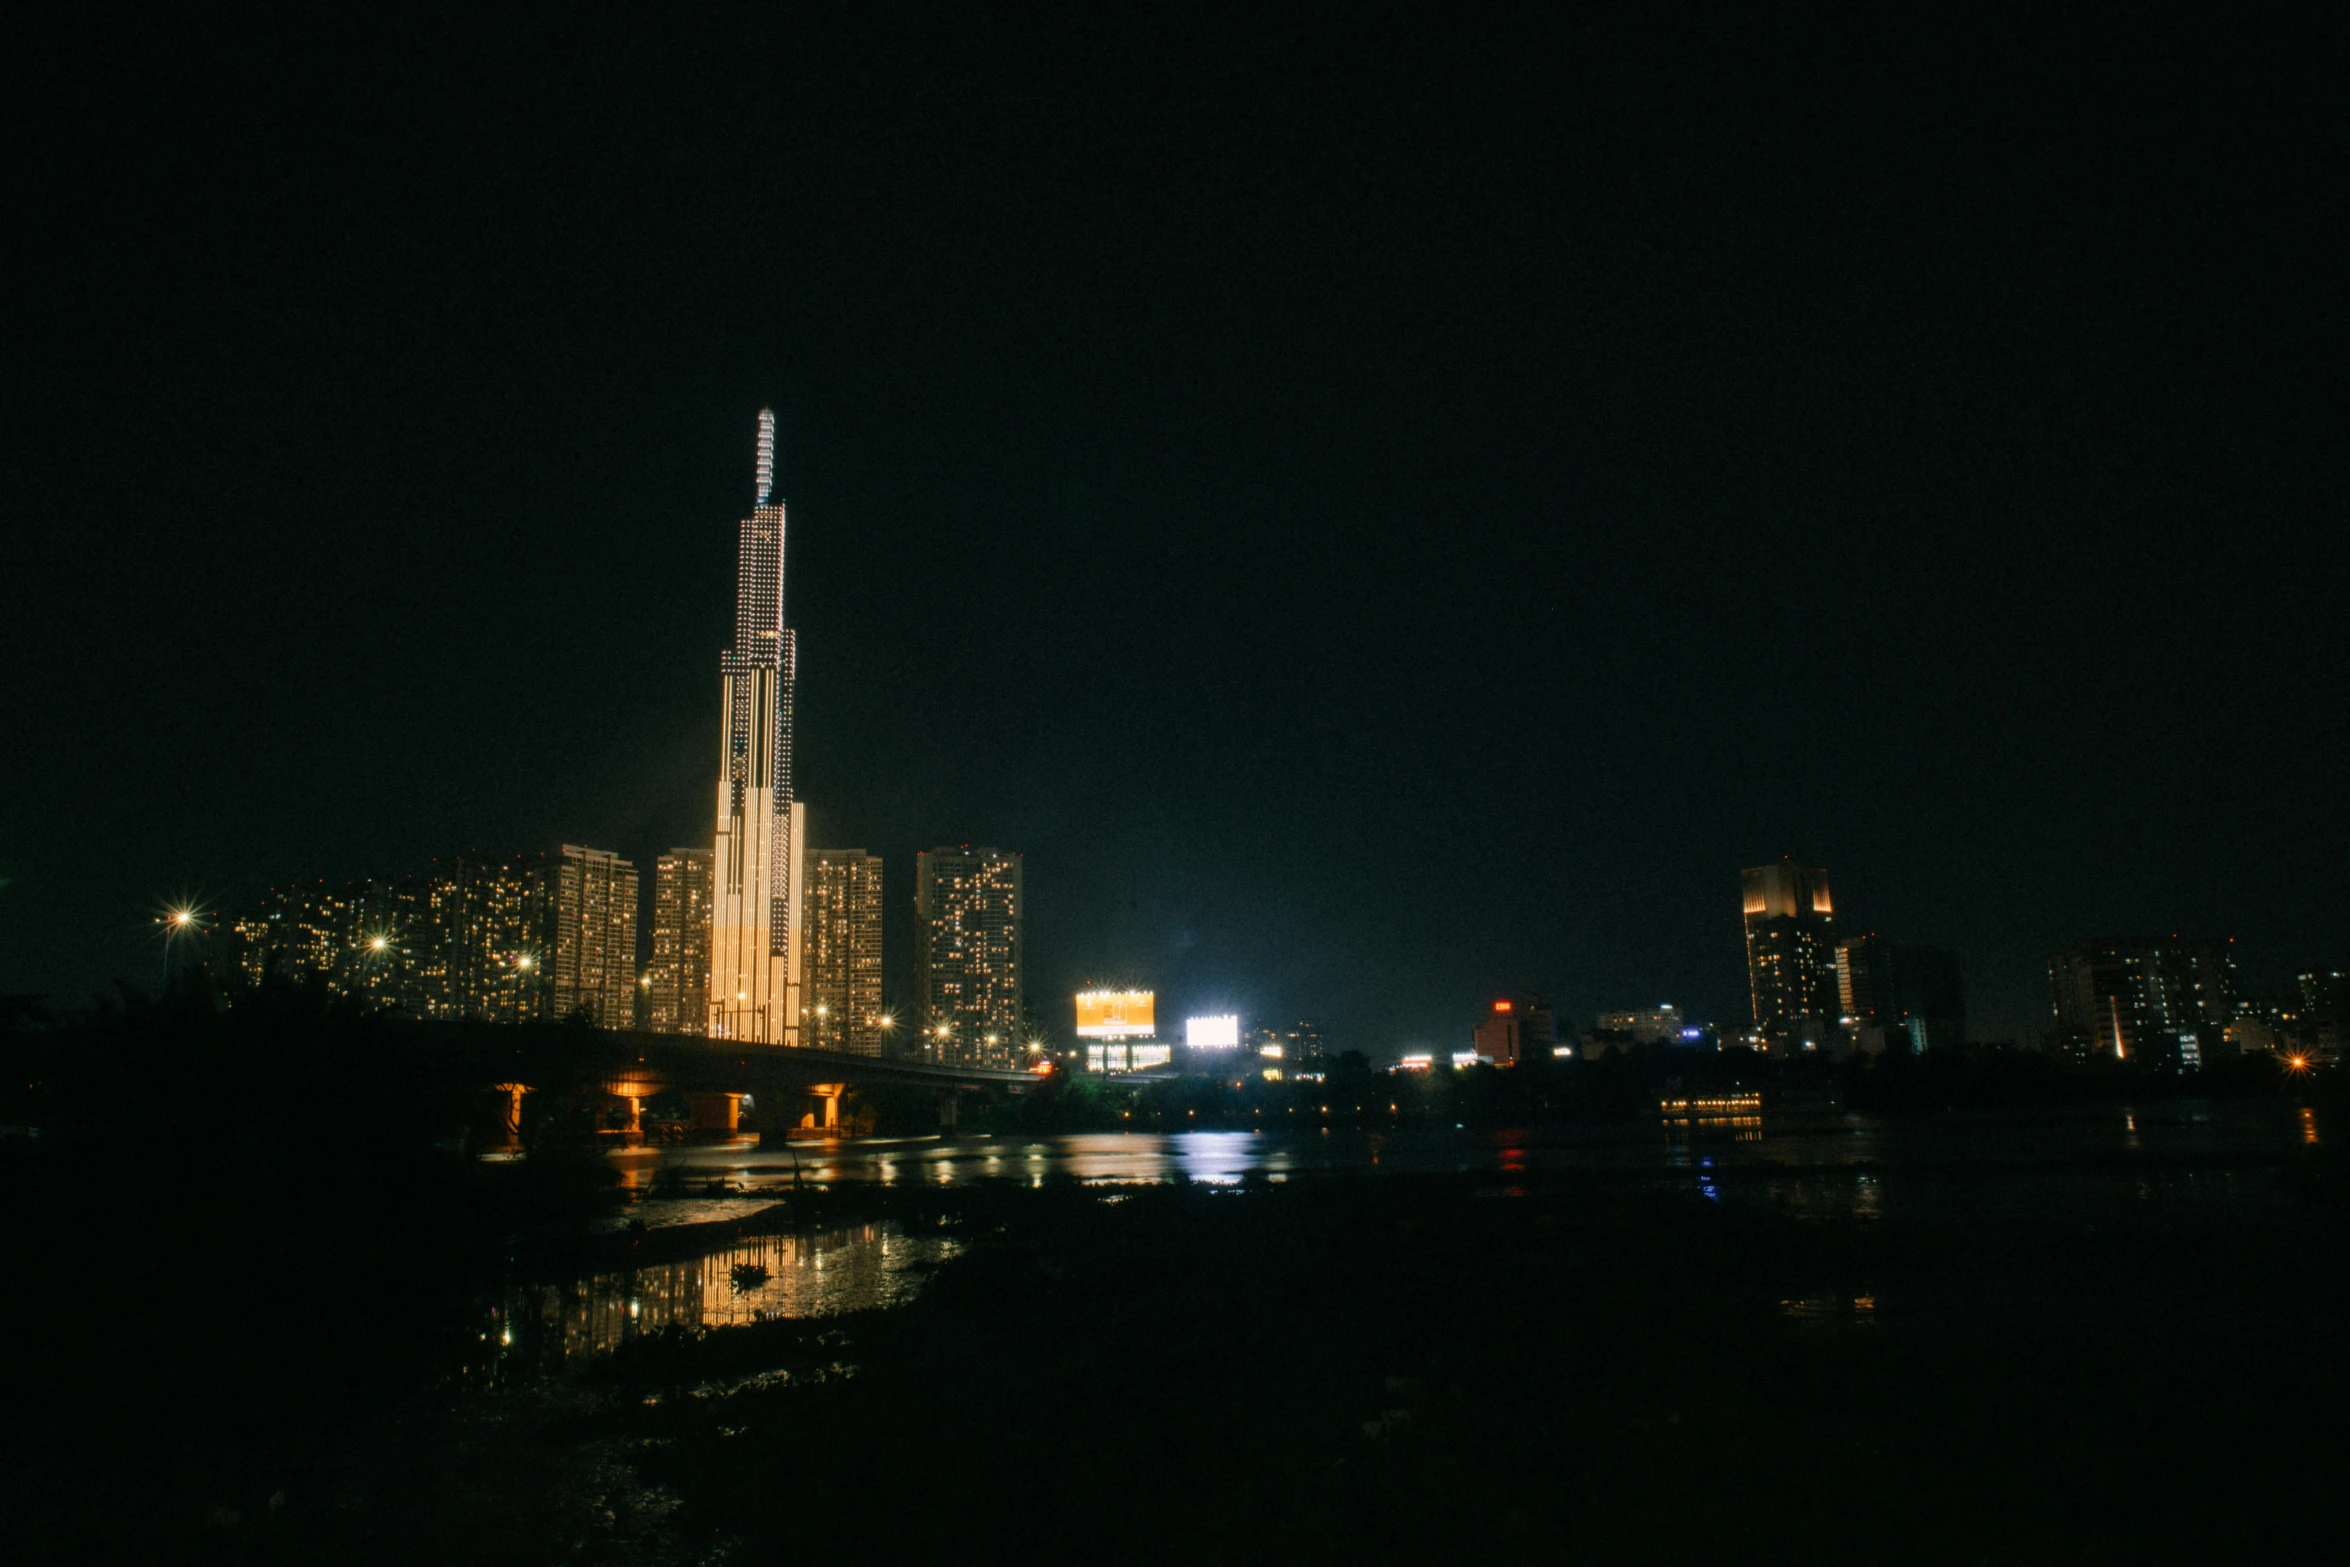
1824, 1163
741, 1278
2202, 1163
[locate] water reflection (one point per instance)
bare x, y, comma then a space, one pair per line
741, 1278
1822, 1162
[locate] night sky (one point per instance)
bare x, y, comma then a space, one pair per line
1377, 510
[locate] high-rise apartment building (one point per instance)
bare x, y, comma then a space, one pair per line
762, 832
678, 999
587, 919
841, 909
359, 939
2162, 1000
1790, 955
478, 940
464, 939
967, 953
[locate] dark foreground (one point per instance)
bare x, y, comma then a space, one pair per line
1400, 1368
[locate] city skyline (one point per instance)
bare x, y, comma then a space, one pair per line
1935, 420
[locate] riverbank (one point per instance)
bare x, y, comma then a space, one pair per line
1413, 1367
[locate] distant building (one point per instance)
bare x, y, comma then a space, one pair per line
2164, 1001
461, 940
1516, 1029
1648, 1025
841, 915
1864, 990
1929, 989
967, 954
478, 944
680, 968
1899, 998
2318, 1015
1790, 956
587, 920
357, 939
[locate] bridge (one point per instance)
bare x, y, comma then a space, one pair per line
787, 1089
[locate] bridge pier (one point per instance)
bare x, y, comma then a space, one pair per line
509, 1127
716, 1112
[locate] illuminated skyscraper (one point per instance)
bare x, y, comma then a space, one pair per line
1791, 955
841, 909
967, 953
754, 912
587, 911
680, 970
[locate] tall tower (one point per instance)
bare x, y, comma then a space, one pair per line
1791, 955
755, 893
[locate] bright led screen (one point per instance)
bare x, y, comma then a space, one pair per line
1212, 1033
1116, 1014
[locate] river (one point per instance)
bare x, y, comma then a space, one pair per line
2184, 1163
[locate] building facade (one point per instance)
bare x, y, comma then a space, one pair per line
968, 956
2164, 1001
1899, 998
678, 995
1644, 1025
762, 831
463, 940
479, 941
1516, 1029
1791, 956
359, 939
587, 947
841, 902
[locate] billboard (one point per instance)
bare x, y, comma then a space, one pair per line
1116, 1014
1212, 1033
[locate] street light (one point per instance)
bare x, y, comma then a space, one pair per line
176, 923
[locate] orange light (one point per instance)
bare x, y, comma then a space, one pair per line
1501, 1006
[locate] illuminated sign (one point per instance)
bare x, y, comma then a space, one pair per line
1468, 1058
1501, 1006
1212, 1033
1116, 1014
1126, 1058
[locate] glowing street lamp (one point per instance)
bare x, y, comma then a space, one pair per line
178, 921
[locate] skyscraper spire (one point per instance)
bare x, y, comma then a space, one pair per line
757, 854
